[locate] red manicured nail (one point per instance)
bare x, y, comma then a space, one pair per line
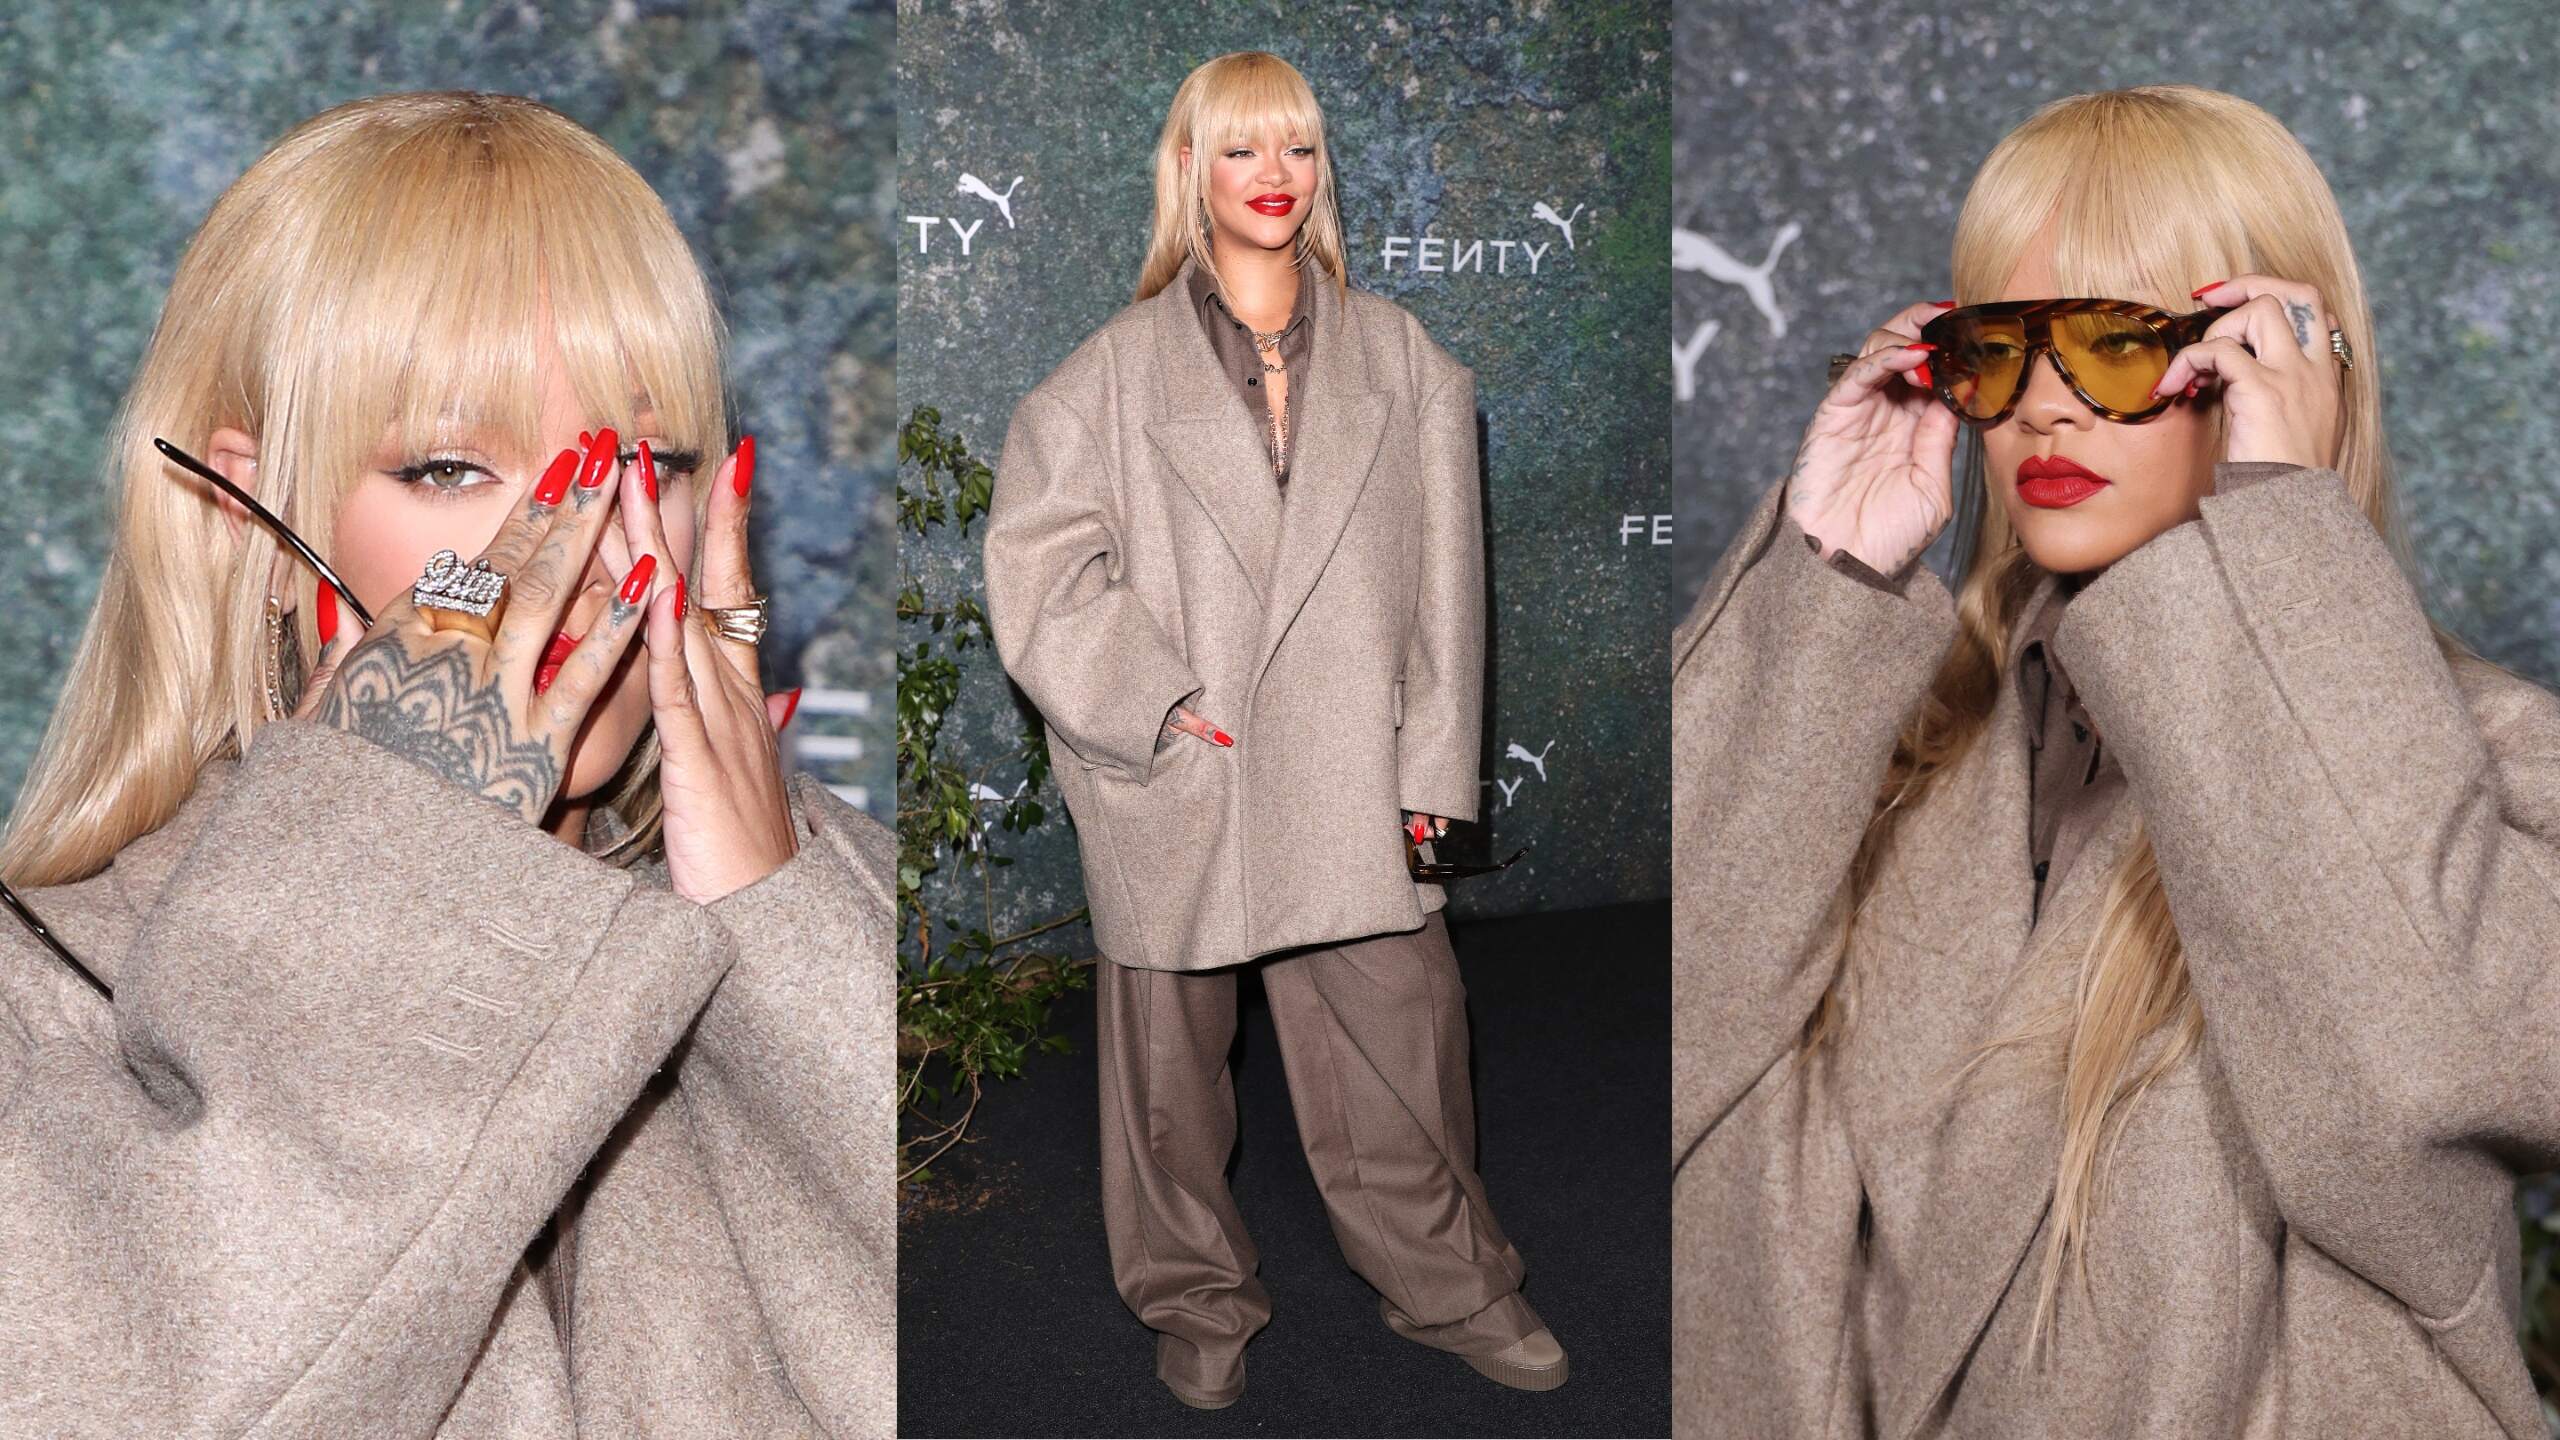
635, 582
679, 594
1418, 836
2192, 387
1920, 375
1222, 737
745, 474
790, 707
328, 617
553, 657
2198, 292
1944, 304
601, 453
555, 481
648, 473
584, 440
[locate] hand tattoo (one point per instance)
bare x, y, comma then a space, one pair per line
433, 709
2301, 315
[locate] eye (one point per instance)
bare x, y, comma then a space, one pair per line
1302, 149
442, 477
1239, 152
669, 462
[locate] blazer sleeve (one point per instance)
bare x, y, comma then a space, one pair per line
2364, 869
363, 1039
790, 1076
1443, 683
1789, 685
1070, 631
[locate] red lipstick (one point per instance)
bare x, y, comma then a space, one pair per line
562, 642
2051, 482
1274, 204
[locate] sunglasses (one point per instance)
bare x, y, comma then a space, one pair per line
2110, 352
1444, 870
284, 532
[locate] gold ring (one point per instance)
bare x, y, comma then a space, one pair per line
742, 623
455, 596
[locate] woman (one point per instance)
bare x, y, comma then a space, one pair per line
393, 975
2113, 993
1235, 558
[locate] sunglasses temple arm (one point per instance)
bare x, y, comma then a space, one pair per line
35, 926
283, 531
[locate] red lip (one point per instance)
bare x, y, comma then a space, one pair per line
1274, 203
553, 657
2051, 482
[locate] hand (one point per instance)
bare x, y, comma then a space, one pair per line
2280, 380
1873, 474
726, 803
465, 707
1424, 827
1185, 720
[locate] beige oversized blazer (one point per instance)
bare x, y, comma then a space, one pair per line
2307, 1229
369, 1032
1138, 551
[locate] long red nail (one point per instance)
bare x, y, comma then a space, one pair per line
679, 594
745, 474
648, 474
790, 707
1417, 830
635, 582
1920, 376
555, 481
328, 617
2192, 387
2198, 292
601, 454
1922, 345
1944, 304
563, 644
1222, 737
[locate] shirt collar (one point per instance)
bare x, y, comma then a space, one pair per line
1204, 291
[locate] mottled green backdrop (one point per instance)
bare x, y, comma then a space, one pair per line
1450, 124
1822, 150
767, 127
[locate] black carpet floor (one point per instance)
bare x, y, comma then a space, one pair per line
1008, 1324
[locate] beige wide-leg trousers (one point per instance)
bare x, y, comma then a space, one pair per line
1373, 1040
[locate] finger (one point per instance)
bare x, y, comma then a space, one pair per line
2305, 312
780, 706
541, 589
1907, 323
644, 527
1902, 363
2262, 326
672, 700
724, 575
2218, 358
730, 704
590, 666
515, 542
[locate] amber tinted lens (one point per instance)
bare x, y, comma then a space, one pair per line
1980, 359
2116, 358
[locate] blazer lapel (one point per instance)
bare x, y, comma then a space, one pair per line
2000, 1141
1332, 450
1211, 440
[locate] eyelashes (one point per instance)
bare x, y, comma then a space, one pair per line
440, 478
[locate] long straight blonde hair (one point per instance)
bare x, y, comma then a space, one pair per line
1244, 96
2152, 192
392, 262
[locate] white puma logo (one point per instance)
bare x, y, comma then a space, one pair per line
972, 185
1539, 760
1684, 360
1693, 251
1547, 212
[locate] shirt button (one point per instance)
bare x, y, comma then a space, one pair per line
2040, 868
1253, 380
2079, 731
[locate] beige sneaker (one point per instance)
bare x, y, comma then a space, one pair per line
1533, 1362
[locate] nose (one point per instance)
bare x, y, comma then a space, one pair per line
2049, 404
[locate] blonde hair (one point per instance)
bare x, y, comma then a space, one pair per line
1246, 95
2151, 192
392, 262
